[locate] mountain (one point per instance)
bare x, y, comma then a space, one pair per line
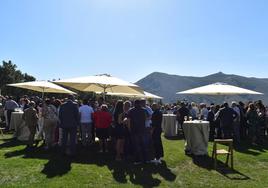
167, 86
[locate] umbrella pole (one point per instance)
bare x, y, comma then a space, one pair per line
43, 94
103, 95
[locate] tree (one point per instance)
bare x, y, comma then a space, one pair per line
8, 75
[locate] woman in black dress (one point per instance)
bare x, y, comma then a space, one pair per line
119, 130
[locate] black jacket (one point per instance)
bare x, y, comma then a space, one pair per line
226, 117
157, 120
69, 115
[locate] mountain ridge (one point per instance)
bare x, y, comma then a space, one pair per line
167, 85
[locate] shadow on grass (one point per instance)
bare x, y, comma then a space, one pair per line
10, 142
232, 174
207, 163
250, 149
59, 165
141, 174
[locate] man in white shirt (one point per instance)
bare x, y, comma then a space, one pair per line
10, 107
204, 111
195, 108
86, 112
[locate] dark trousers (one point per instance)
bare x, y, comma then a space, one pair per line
93, 132
139, 147
9, 112
32, 131
148, 143
71, 133
128, 147
236, 132
211, 131
227, 132
243, 129
157, 142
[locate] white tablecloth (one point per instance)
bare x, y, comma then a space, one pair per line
16, 123
169, 125
197, 136
16, 120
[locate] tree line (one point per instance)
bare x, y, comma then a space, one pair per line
10, 74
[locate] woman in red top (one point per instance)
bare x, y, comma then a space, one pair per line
102, 120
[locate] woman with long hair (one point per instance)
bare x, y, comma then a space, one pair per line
50, 122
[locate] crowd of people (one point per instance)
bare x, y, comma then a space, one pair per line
134, 127
237, 120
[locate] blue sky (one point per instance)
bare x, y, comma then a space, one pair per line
132, 38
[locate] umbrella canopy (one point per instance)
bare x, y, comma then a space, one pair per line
145, 94
101, 83
42, 86
151, 96
220, 89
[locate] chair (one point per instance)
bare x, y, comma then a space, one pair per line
229, 153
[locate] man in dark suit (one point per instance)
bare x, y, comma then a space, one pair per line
182, 112
69, 120
136, 119
226, 116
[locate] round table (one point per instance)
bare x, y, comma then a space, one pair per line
169, 125
15, 120
17, 123
196, 137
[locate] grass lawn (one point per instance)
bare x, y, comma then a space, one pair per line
38, 168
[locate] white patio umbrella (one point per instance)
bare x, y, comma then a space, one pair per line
220, 89
151, 96
146, 95
42, 86
103, 83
